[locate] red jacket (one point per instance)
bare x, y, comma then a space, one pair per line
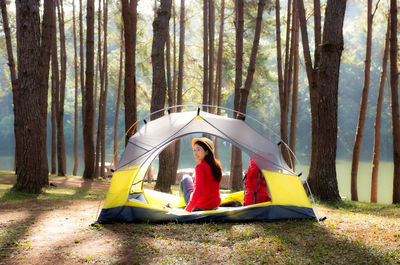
255, 185
206, 189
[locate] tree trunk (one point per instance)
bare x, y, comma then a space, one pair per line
170, 92
282, 79
174, 80
322, 178
181, 55
117, 107
159, 88
279, 57
99, 70
53, 166
31, 106
48, 26
10, 57
312, 82
363, 107
179, 99
174, 70
293, 116
55, 84
206, 80
88, 140
82, 71
211, 24
76, 69
378, 118
62, 167
317, 30
105, 91
218, 77
245, 92
129, 15
394, 82
235, 182
284, 101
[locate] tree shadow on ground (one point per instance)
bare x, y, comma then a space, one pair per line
12, 234
292, 242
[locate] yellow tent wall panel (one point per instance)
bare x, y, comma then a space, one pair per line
286, 189
119, 188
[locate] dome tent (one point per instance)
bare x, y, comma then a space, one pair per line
127, 201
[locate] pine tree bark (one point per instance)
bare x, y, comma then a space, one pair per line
173, 94
290, 43
322, 176
206, 80
284, 100
99, 71
76, 70
88, 140
211, 24
279, 57
11, 62
170, 92
10, 56
117, 107
245, 92
218, 76
293, 116
61, 154
159, 89
82, 71
31, 106
363, 106
129, 15
394, 85
378, 118
105, 90
312, 79
317, 30
55, 88
235, 181
174, 70
181, 60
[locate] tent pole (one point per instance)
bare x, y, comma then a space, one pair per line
315, 205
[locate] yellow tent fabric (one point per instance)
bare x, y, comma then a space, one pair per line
126, 201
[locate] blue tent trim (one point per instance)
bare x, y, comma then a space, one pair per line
131, 214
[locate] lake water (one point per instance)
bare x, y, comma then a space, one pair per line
385, 180
343, 168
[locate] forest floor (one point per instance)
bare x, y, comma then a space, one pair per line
55, 228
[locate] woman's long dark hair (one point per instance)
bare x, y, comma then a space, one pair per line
214, 164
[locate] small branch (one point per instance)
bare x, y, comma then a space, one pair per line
376, 8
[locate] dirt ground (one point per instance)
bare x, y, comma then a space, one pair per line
55, 231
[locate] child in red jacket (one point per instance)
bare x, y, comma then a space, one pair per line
202, 191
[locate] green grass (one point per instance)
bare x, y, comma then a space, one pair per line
353, 233
9, 194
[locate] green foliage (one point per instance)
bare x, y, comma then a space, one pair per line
264, 98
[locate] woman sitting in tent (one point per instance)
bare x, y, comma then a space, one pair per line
202, 191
